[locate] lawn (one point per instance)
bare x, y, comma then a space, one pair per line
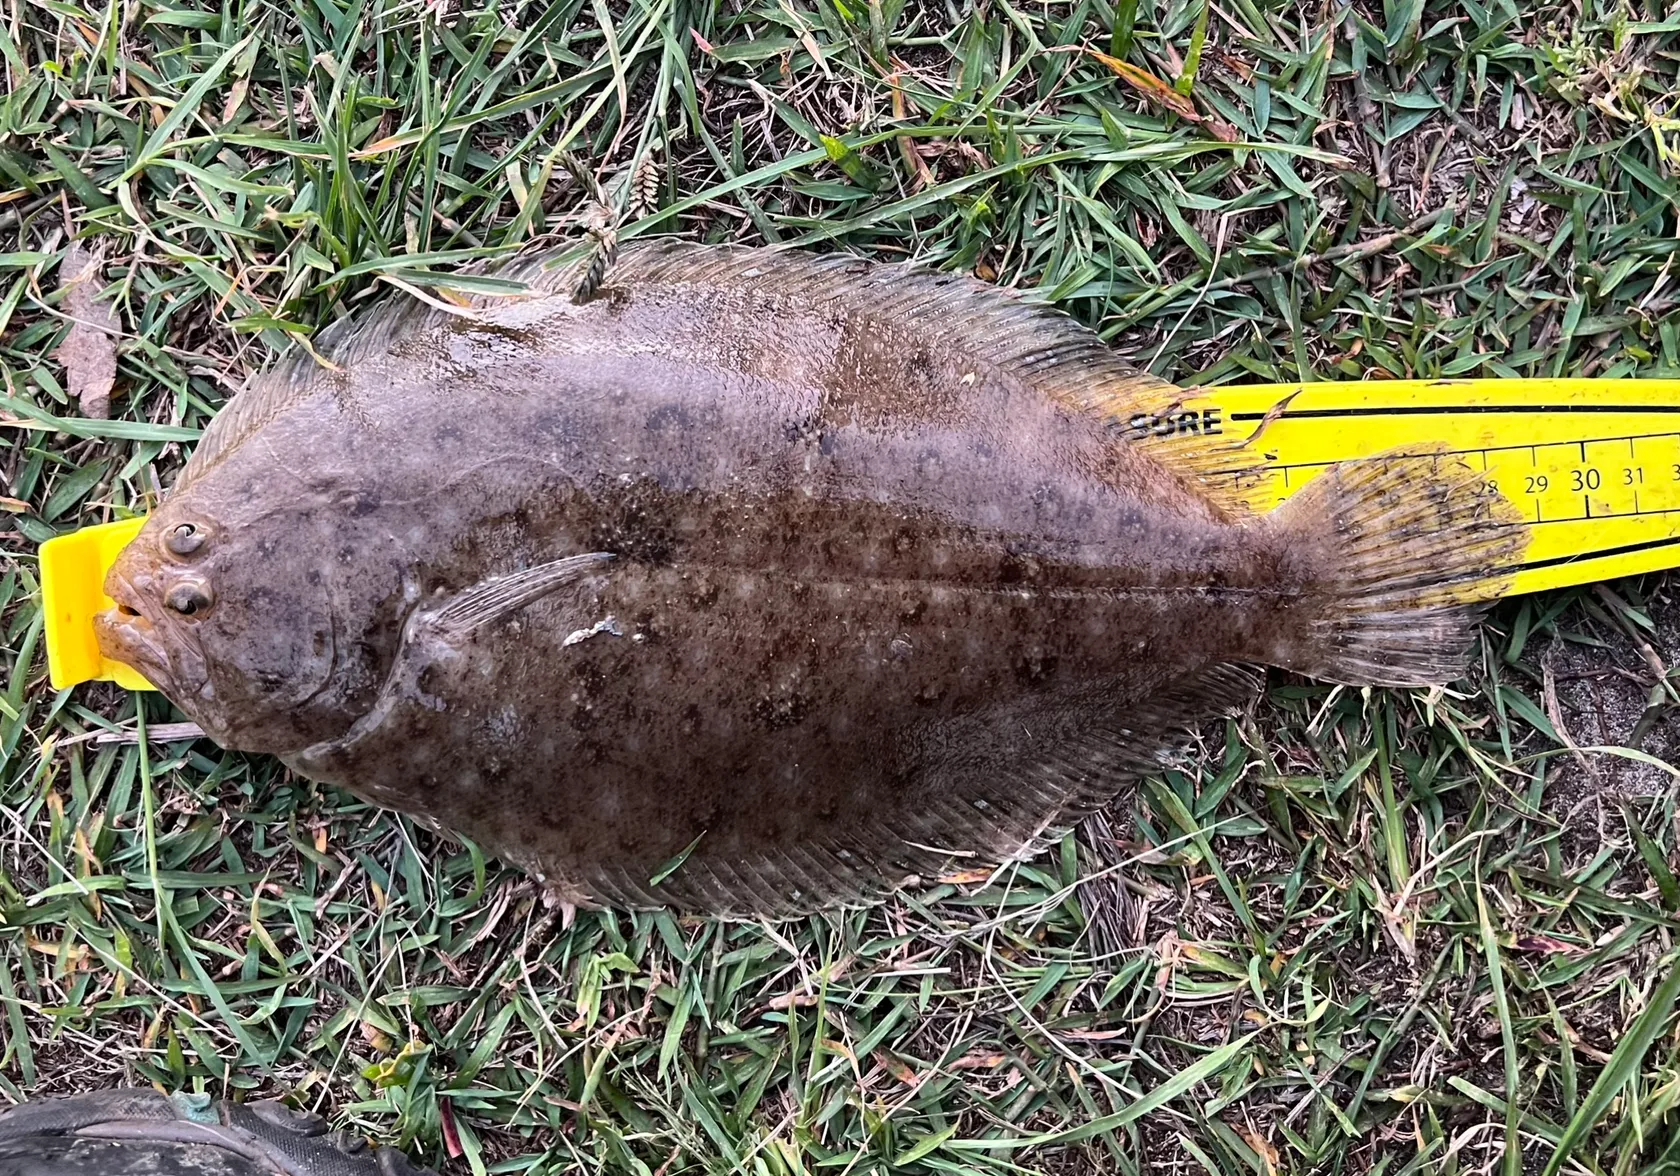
1360, 931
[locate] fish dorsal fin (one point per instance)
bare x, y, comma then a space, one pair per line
1001, 813
1037, 344
258, 402
342, 344
299, 371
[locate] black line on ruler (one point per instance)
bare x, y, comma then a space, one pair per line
1635, 513
1605, 553
1449, 409
1588, 503
1483, 450
1583, 445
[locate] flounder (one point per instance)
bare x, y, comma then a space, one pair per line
760, 582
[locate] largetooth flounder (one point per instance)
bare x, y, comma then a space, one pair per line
828, 574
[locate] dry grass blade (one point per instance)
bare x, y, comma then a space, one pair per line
1166, 97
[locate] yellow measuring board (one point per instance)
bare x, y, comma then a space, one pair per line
1594, 465
73, 571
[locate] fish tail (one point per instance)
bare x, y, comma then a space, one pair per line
1410, 547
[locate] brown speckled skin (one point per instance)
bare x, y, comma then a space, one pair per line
858, 577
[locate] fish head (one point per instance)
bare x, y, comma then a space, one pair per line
230, 615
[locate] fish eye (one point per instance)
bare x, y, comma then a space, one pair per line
184, 539
189, 599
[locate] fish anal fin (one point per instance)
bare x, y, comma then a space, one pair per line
1006, 812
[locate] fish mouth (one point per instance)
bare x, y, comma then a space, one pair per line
127, 635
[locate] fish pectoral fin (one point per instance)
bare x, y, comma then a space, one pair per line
499, 597
434, 636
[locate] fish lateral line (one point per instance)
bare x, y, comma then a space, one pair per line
1023, 591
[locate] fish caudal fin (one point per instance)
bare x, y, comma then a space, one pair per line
1413, 544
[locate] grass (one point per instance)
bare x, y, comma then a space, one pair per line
1361, 931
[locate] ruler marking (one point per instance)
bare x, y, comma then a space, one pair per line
1626, 514
1484, 451
1468, 433
1630, 438
1539, 516
1446, 409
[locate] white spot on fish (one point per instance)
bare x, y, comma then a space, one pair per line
608, 624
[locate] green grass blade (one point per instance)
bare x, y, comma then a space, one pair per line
1620, 1071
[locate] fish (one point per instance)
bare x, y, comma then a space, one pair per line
761, 582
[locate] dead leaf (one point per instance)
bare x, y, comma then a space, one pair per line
1263, 1148
451, 1137
815, 50
381, 146
895, 1067
838, 1047
906, 145
76, 953
89, 350
235, 99
1235, 64
1164, 96
1546, 945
